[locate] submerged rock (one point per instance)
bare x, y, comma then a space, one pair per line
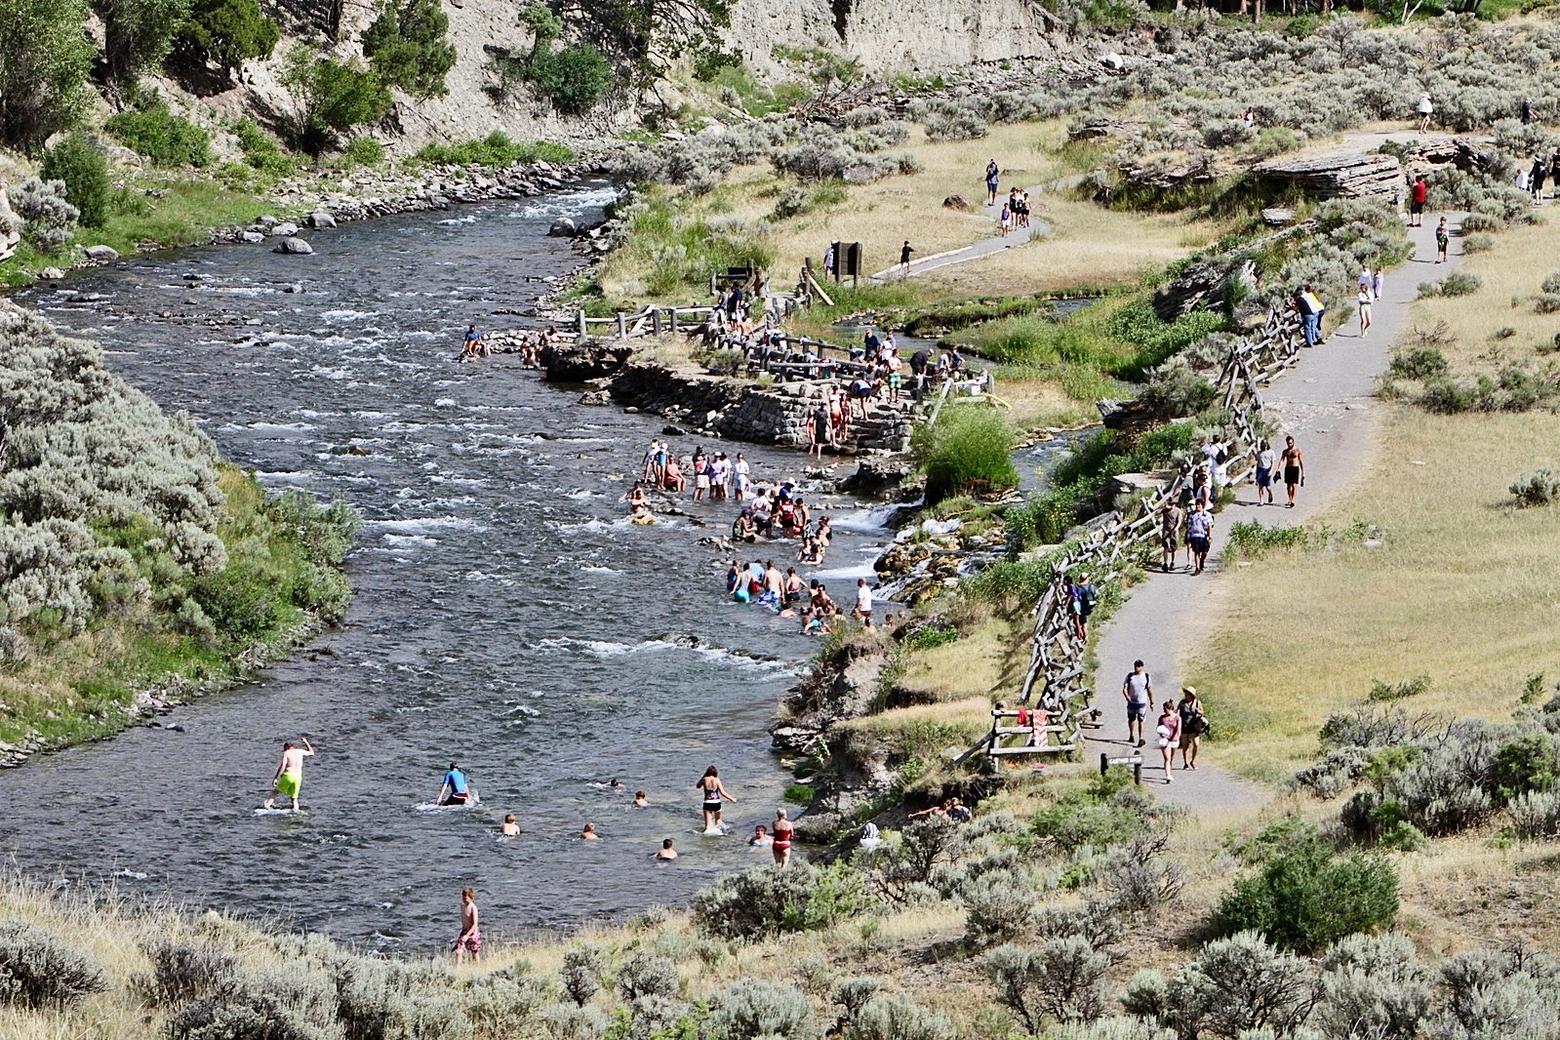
293, 244
563, 227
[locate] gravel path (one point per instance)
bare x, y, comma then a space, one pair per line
1037, 228
1327, 403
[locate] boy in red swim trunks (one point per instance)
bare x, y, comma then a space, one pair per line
470, 938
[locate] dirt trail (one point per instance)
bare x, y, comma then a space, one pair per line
1327, 403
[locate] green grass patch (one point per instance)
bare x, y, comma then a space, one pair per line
969, 448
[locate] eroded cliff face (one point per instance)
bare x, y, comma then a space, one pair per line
919, 35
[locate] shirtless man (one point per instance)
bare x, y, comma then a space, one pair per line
1294, 468
774, 587
665, 853
470, 938
289, 772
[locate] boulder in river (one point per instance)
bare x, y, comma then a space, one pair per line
101, 254
596, 397
321, 219
563, 227
51, 274
294, 244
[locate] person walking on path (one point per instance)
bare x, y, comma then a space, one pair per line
288, 780
993, 179
1085, 597
1426, 110
1199, 535
1266, 457
904, 259
1364, 302
1193, 725
1417, 197
470, 938
1536, 177
1138, 691
1169, 535
1294, 468
1168, 732
1442, 239
1378, 283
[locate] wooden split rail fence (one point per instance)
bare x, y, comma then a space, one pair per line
1114, 541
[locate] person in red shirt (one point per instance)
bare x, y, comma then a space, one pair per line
1416, 202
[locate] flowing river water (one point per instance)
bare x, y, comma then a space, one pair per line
507, 615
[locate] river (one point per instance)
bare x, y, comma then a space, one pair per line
507, 615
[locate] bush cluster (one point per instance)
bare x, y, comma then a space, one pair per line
494, 151
39, 971
155, 132
1538, 488
769, 901
48, 218
968, 444
81, 166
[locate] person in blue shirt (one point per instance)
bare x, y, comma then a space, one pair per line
456, 789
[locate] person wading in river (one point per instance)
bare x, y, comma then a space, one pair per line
470, 938
715, 794
288, 780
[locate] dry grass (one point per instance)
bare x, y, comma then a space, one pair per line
1462, 591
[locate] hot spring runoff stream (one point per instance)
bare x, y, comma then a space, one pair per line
507, 615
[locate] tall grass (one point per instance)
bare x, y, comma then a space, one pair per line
968, 445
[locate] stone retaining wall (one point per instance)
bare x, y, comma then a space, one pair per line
715, 406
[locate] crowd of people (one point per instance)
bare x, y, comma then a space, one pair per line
531, 346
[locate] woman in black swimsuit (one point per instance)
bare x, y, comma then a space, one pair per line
714, 793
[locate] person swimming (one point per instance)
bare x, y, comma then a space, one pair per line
456, 789
588, 833
666, 852
760, 836
509, 828
640, 802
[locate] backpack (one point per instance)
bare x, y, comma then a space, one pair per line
1090, 597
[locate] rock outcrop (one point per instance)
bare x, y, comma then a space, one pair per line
584, 361
1351, 174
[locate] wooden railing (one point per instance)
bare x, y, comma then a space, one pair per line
1113, 541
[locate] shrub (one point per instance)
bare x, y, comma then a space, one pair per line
1478, 242
1381, 690
1418, 363
769, 901
647, 975
363, 151
38, 971
1372, 986
1230, 986
573, 79
1457, 283
1539, 488
1000, 907
1306, 897
581, 973
225, 33
968, 444
408, 46
1513, 992
953, 123
1142, 877
45, 62
182, 973
1175, 390
241, 602
81, 164
887, 1017
1251, 539
161, 136
1063, 980
1535, 815
330, 97
261, 150
48, 218
494, 150
754, 1009
1530, 762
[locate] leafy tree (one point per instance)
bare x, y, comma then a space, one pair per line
408, 46
640, 37
331, 98
45, 58
138, 35
573, 79
81, 164
225, 34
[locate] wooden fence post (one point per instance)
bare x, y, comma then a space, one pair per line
673, 312
580, 317
622, 325
655, 320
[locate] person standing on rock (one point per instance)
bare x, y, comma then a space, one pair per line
1199, 535
780, 845
993, 178
288, 780
904, 259
1294, 468
1417, 196
1138, 691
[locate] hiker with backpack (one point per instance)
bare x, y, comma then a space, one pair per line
1138, 691
1085, 597
1193, 725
